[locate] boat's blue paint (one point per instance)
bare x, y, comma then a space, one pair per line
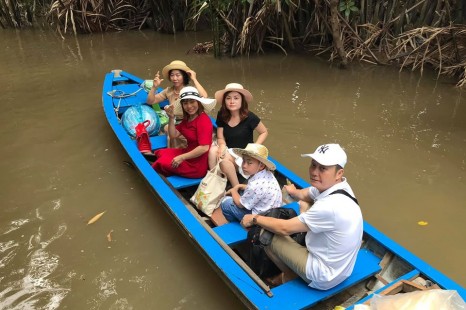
292, 295
367, 264
181, 182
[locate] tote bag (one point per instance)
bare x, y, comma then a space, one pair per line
210, 191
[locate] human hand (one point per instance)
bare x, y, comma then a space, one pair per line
157, 80
221, 152
191, 74
176, 162
170, 110
291, 189
240, 187
246, 222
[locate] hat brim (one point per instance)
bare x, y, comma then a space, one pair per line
322, 160
207, 103
221, 93
240, 152
170, 67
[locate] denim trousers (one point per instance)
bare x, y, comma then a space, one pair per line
232, 212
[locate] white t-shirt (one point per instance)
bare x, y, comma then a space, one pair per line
334, 238
262, 193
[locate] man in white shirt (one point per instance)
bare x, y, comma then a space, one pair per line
334, 225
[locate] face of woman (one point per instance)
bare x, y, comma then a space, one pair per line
233, 101
190, 106
176, 78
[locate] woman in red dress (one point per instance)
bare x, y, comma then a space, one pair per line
196, 127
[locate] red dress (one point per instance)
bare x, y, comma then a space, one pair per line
197, 132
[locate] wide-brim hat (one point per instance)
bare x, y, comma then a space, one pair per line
329, 155
174, 65
190, 92
257, 151
233, 87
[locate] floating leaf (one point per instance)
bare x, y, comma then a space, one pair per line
95, 218
422, 223
109, 236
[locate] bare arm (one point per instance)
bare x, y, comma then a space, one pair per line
298, 194
153, 98
222, 145
172, 132
234, 192
196, 152
262, 131
277, 226
196, 83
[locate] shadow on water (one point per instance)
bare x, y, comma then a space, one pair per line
405, 136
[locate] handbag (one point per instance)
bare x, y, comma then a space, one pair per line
210, 190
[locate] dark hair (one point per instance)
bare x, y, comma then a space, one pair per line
184, 74
225, 114
200, 108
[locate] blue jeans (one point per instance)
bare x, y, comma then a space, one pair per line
232, 212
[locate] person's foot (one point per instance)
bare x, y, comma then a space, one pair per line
275, 280
149, 156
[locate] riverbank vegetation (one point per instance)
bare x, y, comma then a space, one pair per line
412, 34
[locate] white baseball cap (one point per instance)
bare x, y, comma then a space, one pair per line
329, 155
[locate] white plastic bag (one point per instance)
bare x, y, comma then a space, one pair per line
420, 300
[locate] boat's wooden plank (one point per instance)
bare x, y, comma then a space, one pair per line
434, 275
181, 182
367, 264
408, 276
120, 79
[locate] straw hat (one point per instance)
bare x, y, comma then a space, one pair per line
175, 64
233, 87
257, 151
189, 92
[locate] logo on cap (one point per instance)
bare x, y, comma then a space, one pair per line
323, 148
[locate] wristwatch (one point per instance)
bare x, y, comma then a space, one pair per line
254, 219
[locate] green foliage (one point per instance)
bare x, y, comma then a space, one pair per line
348, 6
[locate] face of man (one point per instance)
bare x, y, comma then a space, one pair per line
324, 177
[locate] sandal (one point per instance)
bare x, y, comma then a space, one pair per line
142, 137
276, 280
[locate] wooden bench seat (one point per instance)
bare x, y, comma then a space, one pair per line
233, 233
367, 264
181, 182
158, 142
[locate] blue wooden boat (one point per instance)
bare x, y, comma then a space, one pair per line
381, 262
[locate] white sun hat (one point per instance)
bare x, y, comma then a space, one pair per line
190, 92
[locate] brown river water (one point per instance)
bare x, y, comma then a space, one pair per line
405, 135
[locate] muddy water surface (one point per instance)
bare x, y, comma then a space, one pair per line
405, 136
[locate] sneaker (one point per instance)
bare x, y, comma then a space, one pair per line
142, 137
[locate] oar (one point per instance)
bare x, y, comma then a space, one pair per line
222, 243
